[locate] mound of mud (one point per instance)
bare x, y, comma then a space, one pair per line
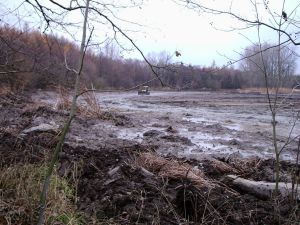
152, 133
176, 138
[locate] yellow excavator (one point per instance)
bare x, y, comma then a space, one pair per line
144, 90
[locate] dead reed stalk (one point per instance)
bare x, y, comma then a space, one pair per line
173, 169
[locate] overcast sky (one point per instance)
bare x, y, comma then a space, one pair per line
200, 37
167, 26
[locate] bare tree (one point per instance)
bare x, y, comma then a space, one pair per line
252, 65
274, 63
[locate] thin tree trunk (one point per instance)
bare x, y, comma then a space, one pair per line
275, 108
65, 130
295, 178
277, 153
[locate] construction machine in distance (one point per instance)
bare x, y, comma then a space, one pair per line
144, 90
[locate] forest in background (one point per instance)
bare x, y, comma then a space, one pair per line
30, 59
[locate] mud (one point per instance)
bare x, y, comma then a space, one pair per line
101, 156
216, 123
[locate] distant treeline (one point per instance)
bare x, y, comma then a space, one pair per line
32, 60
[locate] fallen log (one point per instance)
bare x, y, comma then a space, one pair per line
262, 189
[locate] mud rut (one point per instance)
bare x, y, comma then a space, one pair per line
114, 186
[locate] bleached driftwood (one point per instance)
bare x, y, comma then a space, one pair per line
263, 189
44, 127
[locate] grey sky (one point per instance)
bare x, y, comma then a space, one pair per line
200, 37
166, 26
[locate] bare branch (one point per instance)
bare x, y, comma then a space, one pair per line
256, 22
114, 26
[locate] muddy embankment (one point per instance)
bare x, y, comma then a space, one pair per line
143, 163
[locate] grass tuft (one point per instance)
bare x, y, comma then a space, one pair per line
20, 192
87, 106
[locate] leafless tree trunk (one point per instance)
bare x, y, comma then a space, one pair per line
65, 130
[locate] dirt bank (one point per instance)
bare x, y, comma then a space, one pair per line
123, 180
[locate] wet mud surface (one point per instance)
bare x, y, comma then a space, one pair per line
193, 124
158, 159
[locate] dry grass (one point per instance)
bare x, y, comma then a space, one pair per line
4, 90
91, 106
221, 167
271, 90
173, 169
20, 190
64, 99
88, 106
246, 166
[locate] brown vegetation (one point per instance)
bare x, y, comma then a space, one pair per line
173, 169
29, 59
19, 185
